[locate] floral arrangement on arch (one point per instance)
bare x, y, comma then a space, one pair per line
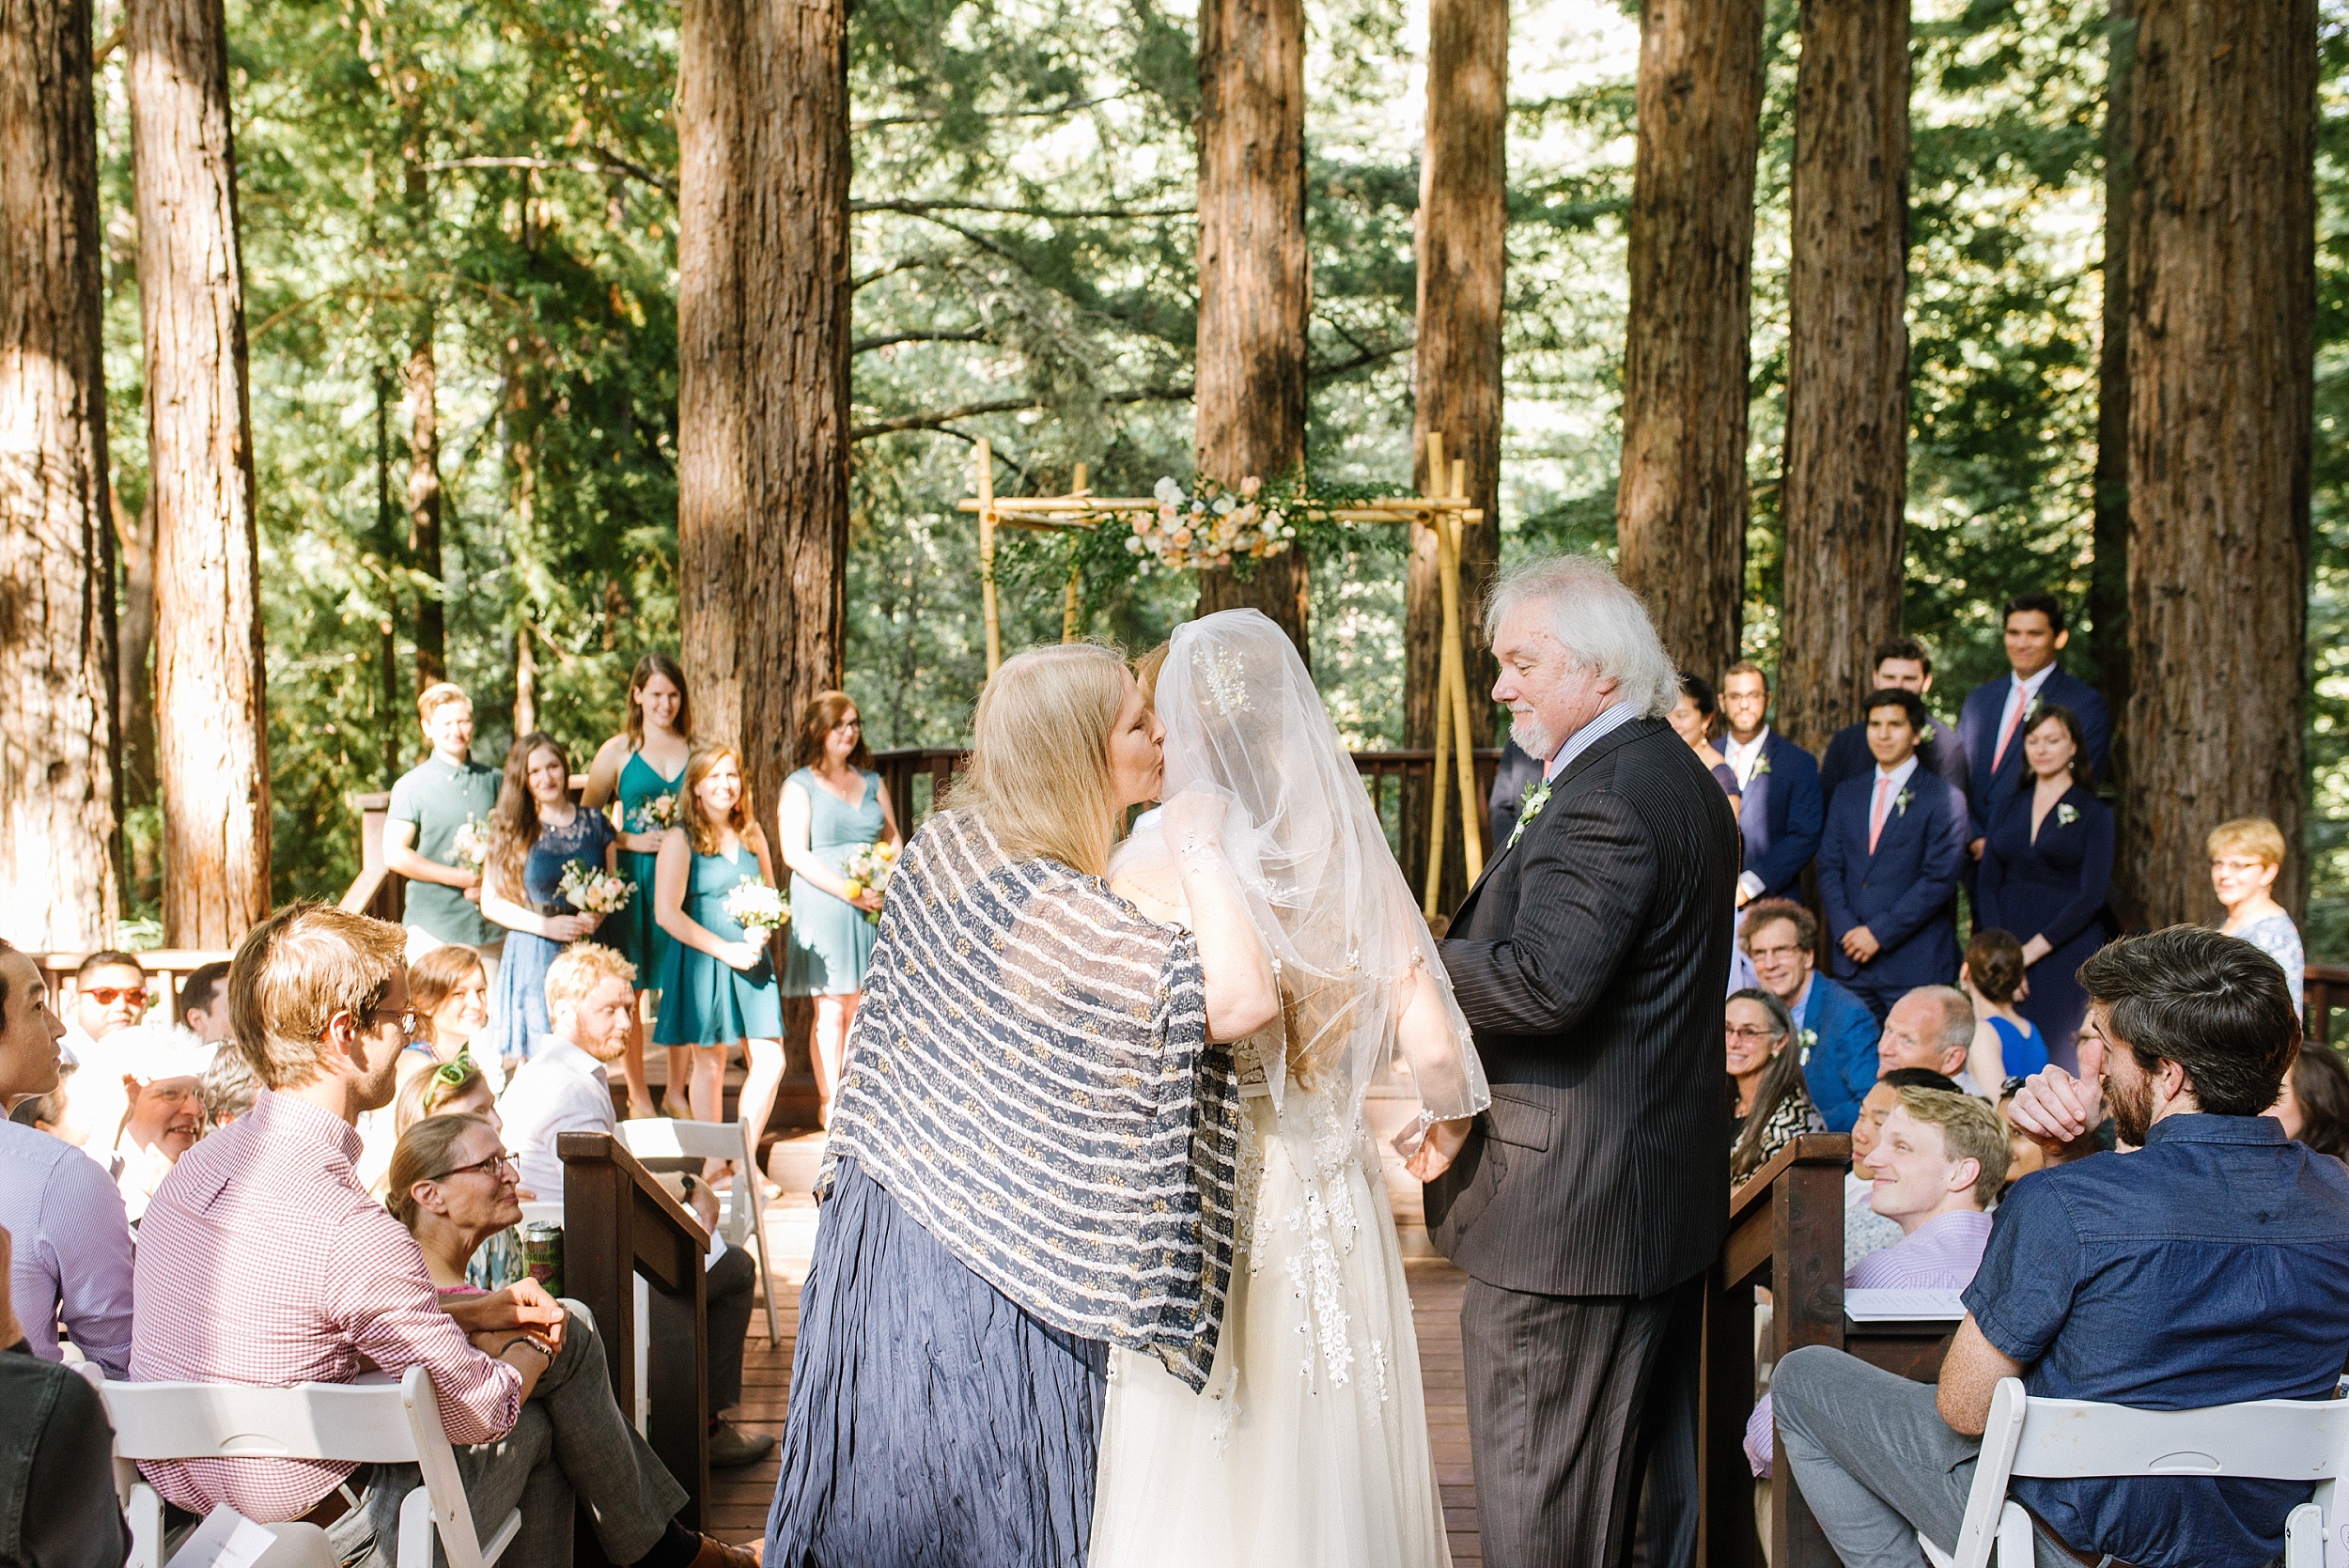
1215, 526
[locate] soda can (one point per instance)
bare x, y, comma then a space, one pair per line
542, 1254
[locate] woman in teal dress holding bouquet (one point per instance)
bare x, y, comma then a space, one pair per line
717, 979
839, 839
644, 768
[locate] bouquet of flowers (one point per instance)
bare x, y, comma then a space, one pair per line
758, 909
1212, 527
593, 890
870, 866
652, 815
470, 845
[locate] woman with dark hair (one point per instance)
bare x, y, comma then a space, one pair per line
1692, 719
536, 835
1767, 1102
449, 991
2046, 871
2315, 1104
641, 769
2006, 1043
832, 808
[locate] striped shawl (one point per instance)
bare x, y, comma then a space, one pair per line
1029, 1075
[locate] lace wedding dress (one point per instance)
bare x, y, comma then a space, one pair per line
1308, 1447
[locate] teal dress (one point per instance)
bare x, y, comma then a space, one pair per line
829, 940
632, 929
706, 1002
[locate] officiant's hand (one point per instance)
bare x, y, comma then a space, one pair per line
1437, 1152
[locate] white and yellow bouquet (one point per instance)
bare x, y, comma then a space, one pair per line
593, 890
870, 865
758, 909
653, 815
470, 845
1213, 526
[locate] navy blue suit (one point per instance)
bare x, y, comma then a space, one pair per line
1781, 817
1938, 750
2052, 886
1840, 1066
1903, 893
1977, 733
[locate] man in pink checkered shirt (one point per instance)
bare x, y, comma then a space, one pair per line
261, 1260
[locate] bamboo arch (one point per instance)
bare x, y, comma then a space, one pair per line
1444, 514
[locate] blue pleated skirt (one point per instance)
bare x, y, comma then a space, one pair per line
933, 1422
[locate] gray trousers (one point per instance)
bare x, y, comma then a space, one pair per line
728, 1290
1573, 1403
1876, 1460
570, 1442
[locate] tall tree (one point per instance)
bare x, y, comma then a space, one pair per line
2108, 579
57, 792
1463, 224
212, 724
1255, 288
422, 378
1846, 475
763, 368
1680, 505
2222, 371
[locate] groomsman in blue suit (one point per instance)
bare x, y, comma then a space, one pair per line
1991, 728
1781, 810
1902, 665
1888, 863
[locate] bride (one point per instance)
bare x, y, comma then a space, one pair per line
1309, 1444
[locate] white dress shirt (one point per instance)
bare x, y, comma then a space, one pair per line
560, 1089
2020, 694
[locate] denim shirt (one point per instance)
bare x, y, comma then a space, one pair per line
2208, 1268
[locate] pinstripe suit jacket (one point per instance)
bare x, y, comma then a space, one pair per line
1590, 959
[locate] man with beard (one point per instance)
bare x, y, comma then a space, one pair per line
2210, 1266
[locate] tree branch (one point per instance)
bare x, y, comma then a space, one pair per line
924, 208
866, 345
1368, 356
612, 164
943, 420
1068, 108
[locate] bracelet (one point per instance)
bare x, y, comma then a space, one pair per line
534, 1343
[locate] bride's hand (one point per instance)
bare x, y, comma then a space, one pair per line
1193, 819
1442, 1145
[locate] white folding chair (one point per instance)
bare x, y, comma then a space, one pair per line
742, 1211
2266, 1439
360, 1423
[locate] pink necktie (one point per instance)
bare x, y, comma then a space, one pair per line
1876, 815
2022, 705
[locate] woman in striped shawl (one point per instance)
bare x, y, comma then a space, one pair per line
1033, 1154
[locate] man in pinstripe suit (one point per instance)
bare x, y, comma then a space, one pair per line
1587, 1204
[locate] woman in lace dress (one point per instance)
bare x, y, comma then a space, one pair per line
1309, 1443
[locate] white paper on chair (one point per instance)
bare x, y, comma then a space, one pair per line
1904, 1306
227, 1539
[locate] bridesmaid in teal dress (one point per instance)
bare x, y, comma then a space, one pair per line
833, 806
636, 768
717, 985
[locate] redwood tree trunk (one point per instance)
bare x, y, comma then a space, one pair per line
423, 380
1255, 286
763, 368
2222, 369
1846, 467
1680, 505
57, 884
1463, 219
2108, 579
212, 725
134, 684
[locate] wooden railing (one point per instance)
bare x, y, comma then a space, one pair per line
2326, 987
618, 1222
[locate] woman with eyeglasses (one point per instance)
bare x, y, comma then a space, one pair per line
832, 807
453, 1186
2246, 855
456, 1089
1767, 1102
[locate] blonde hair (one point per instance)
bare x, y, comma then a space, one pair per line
422, 1155
1971, 1130
2255, 836
424, 1093
1147, 670
578, 969
699, 830
433, 698
1039, 774
297, 968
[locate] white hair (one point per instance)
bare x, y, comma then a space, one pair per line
1600, 623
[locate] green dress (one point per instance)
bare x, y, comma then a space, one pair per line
829, 940
633, 929
704, 1002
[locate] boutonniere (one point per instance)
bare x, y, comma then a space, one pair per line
1900, 801
1926, 738
2066, 813
1809, 1038
1761, 763
1536, 796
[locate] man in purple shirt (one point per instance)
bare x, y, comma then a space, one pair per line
72, 1253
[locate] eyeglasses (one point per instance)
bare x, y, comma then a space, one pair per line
495, 1165
407, 1017
2238, 867
848, 724
1738, 1032
1759, 953
106, 995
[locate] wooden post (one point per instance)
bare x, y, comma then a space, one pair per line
1452, 525
985, 460
1449, 655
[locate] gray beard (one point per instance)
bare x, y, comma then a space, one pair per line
1532, 738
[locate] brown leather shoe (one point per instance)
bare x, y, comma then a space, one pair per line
717, 1554
731, 1448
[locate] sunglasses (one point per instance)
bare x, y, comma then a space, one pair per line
106, 995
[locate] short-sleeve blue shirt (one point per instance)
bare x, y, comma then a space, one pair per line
2210, 1266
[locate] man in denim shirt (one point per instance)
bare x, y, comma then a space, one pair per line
2210, 1266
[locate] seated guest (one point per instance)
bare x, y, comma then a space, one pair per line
1838, 1034
460, 1088
229, 1088
2026, 1154
1865, 1231
1768, 1104
1992, 720
163, 1081
73, 1244
1888, 863
1692, 719
110, 998
2047, 872
1937, 1166
2006, 1044
453, 1186
451, 990
1933, 1027
1780, 808
204, 1004
2314, 1105
58, 1503
262, 1261
1901, 664
2245, 857
564, 1088
2209, 1267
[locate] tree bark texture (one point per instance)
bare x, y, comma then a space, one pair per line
1255, 282
58, 794
212, 721
134, 686
2222, 369
2109, 578
423, 380
763, 371
1846, 475
1680, 504
1463, 219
